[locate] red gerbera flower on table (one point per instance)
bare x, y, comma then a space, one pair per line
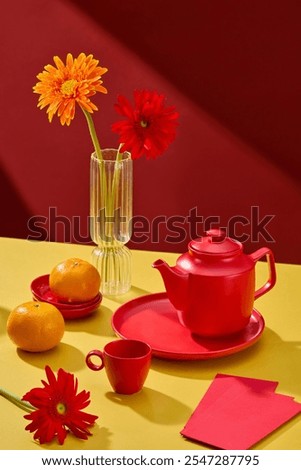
58, 408
149, 127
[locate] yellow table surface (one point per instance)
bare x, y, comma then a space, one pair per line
153, 418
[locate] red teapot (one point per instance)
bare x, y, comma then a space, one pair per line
212, 286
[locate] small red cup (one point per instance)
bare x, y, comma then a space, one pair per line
127, 363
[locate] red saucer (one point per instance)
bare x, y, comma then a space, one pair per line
70, 310
153, 319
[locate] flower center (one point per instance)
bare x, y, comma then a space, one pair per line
68, 87
143, 123
61, 408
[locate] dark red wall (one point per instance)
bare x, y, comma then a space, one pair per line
233, 70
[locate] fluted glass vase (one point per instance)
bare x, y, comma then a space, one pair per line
111, 189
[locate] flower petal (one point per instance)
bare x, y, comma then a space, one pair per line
149, 127
59, 407
62, 86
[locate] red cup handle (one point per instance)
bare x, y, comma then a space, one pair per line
90, 364
272, 270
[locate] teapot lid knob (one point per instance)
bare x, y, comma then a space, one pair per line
215, 243
216, 234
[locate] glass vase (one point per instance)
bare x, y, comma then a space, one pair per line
111, 190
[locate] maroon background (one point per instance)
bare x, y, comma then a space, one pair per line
231, 67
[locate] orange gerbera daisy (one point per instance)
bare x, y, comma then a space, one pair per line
63, 86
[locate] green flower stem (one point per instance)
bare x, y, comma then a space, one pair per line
106, 196
119, 154
109, 194
93, 134
116, 176
97, 150
24, 405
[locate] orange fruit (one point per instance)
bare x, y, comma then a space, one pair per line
74, 280
35, 326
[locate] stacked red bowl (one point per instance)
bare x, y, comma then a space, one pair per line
41, 292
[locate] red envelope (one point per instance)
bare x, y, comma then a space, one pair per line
236, 412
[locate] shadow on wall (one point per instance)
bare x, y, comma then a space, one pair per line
13, 212
238, 72
237, 60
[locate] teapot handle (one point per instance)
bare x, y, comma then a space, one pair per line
272, 270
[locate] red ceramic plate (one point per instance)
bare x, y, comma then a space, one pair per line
70, 310
76, 312
152, 318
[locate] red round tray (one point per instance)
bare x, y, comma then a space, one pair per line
153, 319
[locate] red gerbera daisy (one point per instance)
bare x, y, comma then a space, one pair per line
149, 127
58, 408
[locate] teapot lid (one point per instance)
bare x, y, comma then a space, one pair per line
215, 243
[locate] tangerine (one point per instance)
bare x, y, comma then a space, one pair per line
74, 280
35, 326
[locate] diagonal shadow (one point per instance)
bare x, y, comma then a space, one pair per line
225, 60
12, 204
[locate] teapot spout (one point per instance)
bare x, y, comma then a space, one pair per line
176, 283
